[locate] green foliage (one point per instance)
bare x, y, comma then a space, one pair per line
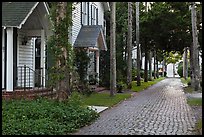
185, 81
174, 21
81, 62
134, 74
173, 57
59, 48
120, 86
44, 117
180, 69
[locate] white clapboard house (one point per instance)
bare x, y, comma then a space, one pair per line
89, 31
25, 29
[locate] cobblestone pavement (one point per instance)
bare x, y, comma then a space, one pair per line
159, 110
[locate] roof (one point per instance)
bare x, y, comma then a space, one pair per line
89, 35
14, 14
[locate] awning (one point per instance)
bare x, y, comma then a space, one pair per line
91, 36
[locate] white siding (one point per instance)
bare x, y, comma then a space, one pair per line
100, 13
76, 18
25, 57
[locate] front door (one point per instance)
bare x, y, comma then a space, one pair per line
38, 69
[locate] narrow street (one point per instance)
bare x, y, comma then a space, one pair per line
159, 110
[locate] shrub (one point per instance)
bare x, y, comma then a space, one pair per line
180, 69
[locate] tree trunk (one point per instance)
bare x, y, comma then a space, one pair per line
195, 50
146, 64
191, 66
125, 43
63, 85
137, 44
155, 64
185, 63
174, 70
112, 50
129, 69
150, 65
163, 67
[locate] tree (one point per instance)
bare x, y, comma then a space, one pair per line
112, 50
185, 63
150, 65
146, 52
195, 51
60, 48
129, 46
137, 43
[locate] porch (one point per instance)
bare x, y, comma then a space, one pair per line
25, 28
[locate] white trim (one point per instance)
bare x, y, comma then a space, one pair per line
34, 59
34, 39
3, 58
43, 55
104, 43
18, 43
46, 7
31, 11
9, 62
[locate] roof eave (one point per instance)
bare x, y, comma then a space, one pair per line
29, 13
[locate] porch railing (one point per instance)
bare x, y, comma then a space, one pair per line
29, 78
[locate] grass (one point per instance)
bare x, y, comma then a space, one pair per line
188, 89
104, 99
199, 124
144, 85
194, 101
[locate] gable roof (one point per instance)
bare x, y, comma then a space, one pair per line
15, 14
89, 35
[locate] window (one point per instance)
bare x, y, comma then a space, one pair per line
94, 15
84, 13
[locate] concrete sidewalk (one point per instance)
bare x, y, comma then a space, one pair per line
194, 95
98, 109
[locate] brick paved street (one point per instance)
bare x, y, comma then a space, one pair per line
160, 110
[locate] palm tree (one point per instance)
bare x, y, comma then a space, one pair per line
129, 46
112, 50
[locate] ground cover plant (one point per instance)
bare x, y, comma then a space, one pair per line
45, 117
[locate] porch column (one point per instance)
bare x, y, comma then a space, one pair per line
87, 77
97, 65
3, 58
9, 62
43, 57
